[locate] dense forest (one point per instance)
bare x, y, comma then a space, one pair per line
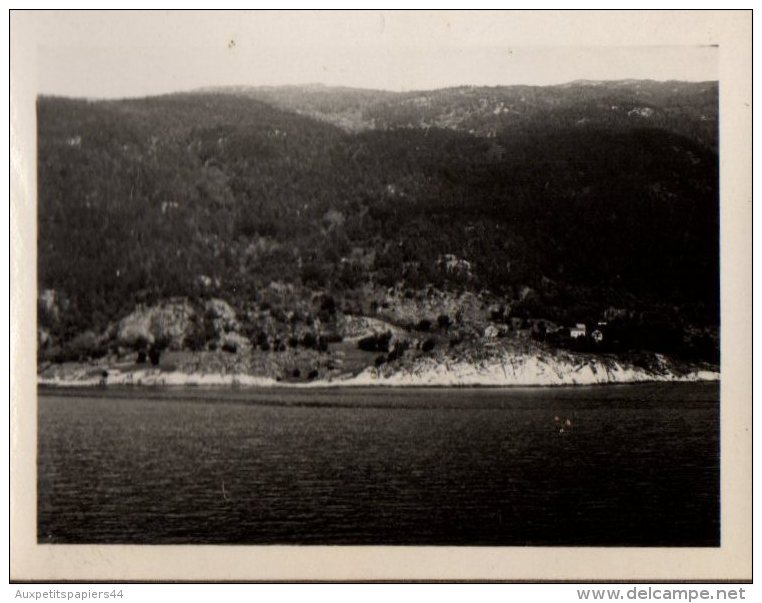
563, 202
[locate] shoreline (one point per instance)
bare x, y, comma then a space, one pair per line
158, 379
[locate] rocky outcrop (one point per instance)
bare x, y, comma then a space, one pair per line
517, 369
504, 369
168, 322
223, 315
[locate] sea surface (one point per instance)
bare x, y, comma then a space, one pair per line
619, 465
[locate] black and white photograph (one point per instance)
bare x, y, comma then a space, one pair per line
375, 294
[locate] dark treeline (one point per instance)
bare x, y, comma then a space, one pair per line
140, 199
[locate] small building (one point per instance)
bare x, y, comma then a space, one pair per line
578, 330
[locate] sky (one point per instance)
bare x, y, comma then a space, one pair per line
111, 55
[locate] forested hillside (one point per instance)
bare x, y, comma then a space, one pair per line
559, 203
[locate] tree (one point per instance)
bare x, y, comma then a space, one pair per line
154, 354
378, 342
309, 340
398, 350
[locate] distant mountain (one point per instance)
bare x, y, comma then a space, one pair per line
689, 109
561, 201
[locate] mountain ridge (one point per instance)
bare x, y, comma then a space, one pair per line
585, 204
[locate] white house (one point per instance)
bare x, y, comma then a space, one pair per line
579, 330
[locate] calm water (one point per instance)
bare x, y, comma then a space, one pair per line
639, 465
